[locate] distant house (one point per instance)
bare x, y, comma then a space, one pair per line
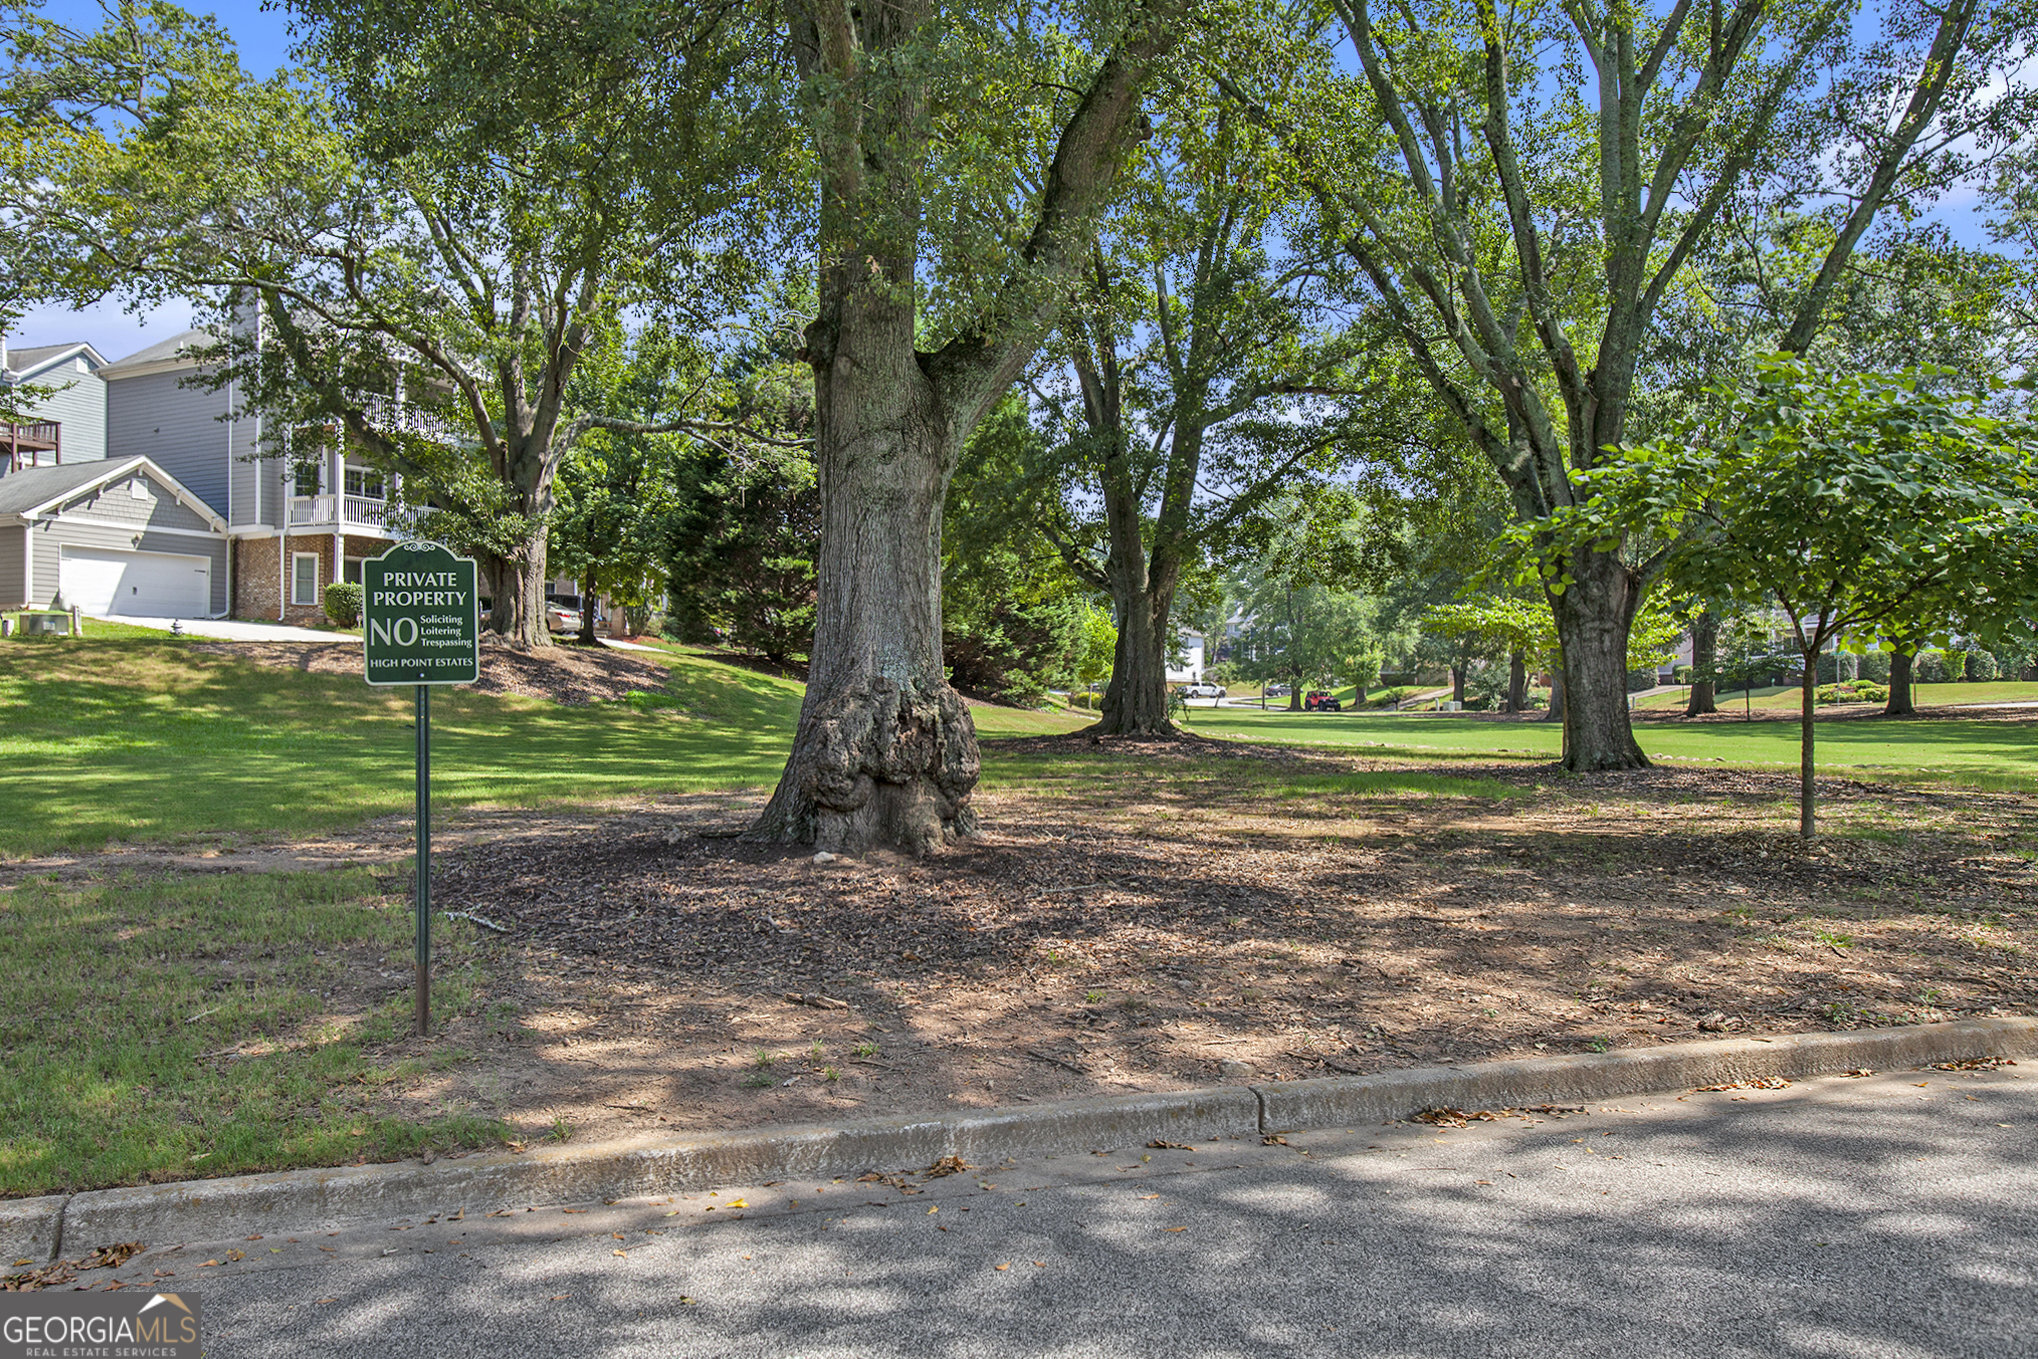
1190, 651
74, 407
275, 529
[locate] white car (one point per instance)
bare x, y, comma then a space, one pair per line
1203, 691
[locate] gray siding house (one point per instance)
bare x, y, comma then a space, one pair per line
135, 488
68, 424
296, 524
111, 536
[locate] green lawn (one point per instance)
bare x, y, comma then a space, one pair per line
1925, 695
1934, 747
176, 1028
135, 736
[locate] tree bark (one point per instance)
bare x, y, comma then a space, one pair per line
1807, 788
1517, 682
1594, 615
1901, 701
1136, 701
587, 608
1558, 707
1458, 685
516, 615
885, 752
1705, 640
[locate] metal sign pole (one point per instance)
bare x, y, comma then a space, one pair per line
421, 626
424, 862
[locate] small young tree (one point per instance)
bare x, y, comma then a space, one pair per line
1853, 503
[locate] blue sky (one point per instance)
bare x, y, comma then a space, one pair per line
264, 39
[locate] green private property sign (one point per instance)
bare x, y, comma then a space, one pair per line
422, 616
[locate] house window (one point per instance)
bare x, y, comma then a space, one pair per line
365, 482
304, 578
306, 478
138, 489
350, 570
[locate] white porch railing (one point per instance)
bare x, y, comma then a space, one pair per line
357, 510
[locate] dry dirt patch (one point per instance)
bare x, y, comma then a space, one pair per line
1161, 931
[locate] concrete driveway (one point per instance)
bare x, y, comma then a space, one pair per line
234, 630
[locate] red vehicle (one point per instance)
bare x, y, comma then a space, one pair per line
1316, 701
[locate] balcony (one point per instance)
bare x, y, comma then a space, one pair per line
34, 444
343, 511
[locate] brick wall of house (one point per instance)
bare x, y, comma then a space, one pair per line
255, 579
261, 576
322, 545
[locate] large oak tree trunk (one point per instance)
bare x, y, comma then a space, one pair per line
1705, 641
1594, 614
1517, 682
1136, 702
518, 578
1901, 701
885, 753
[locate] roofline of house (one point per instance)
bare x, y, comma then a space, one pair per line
44, 365
115, 471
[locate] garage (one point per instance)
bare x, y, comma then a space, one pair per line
147, 584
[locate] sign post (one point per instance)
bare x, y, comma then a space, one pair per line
421, 616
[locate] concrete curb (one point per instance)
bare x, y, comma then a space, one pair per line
305, 1200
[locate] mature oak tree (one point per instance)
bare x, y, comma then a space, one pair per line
1523, 186
415, 239
1854, 505
1202, 355
962, 155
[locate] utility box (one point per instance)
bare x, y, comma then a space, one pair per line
46, 624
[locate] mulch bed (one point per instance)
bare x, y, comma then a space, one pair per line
1166, 929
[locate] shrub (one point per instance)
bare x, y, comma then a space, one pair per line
1930, 668
343, 602
1639, 680
1397, 679
1981, 666
2012, 663
1853, 691
1681, 675
1875, 666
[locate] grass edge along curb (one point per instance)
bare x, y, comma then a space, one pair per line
208, 1210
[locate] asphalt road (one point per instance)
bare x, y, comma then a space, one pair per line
1892, 1215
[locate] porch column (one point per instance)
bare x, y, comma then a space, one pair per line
339, 514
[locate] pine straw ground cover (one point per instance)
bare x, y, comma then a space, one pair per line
1131, 918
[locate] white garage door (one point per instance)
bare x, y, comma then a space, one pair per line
150, 584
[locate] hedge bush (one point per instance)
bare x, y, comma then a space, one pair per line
343, 602
1681, 675
1981, 666
1854, 691
1931, 668
1875, 666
